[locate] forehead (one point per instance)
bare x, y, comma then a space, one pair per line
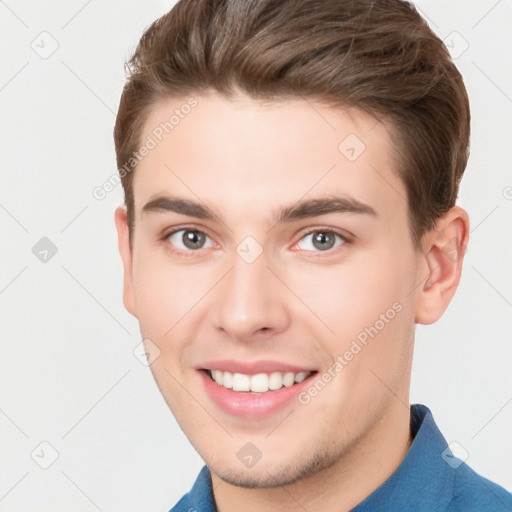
245, 155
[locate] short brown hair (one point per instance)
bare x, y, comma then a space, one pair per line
379, 56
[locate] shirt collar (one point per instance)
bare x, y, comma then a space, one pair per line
201, 494
422, 477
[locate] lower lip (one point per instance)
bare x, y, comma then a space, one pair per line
251, 405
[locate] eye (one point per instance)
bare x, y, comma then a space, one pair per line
321, 240
189, 239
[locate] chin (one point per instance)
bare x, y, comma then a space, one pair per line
271, 474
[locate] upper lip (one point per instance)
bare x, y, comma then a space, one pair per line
253, 367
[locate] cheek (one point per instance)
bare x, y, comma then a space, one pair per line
354, 294
374, 321
368, 307
164, 293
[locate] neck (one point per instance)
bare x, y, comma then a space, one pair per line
340, 487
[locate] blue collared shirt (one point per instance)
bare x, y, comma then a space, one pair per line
429, 479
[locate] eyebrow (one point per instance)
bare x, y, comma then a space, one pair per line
302, 209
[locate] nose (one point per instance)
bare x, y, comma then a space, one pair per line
250, 303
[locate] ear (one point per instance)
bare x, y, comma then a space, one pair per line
443, 252
123, 232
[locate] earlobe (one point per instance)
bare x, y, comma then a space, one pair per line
443, 254
123, 237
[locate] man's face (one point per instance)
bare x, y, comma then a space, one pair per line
266, 292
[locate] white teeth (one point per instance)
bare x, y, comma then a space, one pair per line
301, 376
217, 376
288, 379
241, 382
227, 380
275, 381
258, 383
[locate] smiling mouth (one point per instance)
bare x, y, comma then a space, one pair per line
257, 383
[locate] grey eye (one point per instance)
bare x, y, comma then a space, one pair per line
189, 239
321, 241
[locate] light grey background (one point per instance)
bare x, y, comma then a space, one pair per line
68, 373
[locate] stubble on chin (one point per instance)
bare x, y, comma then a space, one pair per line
268, 477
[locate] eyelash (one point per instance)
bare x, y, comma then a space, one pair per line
345, 239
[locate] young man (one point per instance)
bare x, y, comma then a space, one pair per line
290, 171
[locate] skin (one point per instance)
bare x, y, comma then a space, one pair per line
295, 303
